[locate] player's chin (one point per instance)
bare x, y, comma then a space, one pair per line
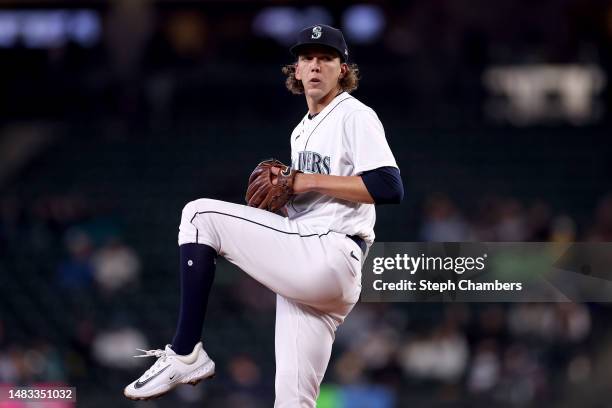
314, 92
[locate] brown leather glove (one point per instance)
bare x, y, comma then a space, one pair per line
262, 193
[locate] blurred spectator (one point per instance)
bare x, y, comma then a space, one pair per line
44, 363
485, 367
511, 226
115, 266
244, 372
539, 222
579, 369
561, 322
485, 218
117, 347
491, 320
355, 330
349, 368
76, 272
31, 364
378, 347
602, 229
246, 386
443, 223
442, 356
575, 321
9, 366
191, 395
563, 229
523, 379
533, 319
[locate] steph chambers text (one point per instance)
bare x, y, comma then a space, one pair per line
426, 285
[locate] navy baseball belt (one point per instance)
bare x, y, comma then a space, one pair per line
359, 241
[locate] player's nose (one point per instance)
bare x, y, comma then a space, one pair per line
315, 66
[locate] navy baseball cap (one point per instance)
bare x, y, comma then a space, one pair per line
321, 34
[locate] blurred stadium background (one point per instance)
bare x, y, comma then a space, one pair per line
114, 114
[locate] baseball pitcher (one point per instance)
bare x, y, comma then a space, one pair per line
304, 233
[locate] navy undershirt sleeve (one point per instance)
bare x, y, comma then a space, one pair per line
384, 185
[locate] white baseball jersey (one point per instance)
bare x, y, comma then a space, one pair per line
345, 139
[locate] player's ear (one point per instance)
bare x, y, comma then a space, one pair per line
343, 70
297, 72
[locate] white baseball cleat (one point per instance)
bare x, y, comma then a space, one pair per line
170, 370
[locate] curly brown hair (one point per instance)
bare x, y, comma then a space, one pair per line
348, 82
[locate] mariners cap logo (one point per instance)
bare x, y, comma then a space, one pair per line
323, 35
316, 32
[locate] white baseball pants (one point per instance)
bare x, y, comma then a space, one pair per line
316, 280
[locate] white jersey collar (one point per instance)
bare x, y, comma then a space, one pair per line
339, 98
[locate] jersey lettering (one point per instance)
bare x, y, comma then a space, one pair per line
313, 162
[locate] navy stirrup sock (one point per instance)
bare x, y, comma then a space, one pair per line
197, 275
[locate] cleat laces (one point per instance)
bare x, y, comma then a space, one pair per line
161, 358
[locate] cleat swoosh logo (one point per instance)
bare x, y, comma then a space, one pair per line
140, 384
353, 256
